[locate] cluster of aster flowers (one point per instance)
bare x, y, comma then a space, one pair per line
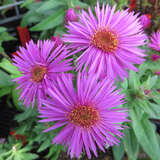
89, 115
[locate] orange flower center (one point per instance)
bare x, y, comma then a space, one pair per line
105, 40
38, 73
85, 116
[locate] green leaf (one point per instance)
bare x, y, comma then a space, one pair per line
130, 144
15, 97
5, 80
155, 110
125, 84
54, 152
56, 155
10, 157
5, 36
44, 145
118, 151
157, 84
151, 81
25, 149
40, 138
156, 96
2, 29
26, 3
51, 152
28, 113
134, 81
5, 91
121, 3
151, 109
22, 128
31, 17
8, 153
50, 22
30, 156
81, 4
51, 4
1, 49
142, 68
18, 156
110, 2
145, 133
9, 67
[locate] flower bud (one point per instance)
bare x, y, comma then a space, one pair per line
155, 57
145, 21
71, 15
157, 72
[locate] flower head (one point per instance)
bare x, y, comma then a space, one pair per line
145, 21
155, 41
71, 15
89, 115
39, 64
108, 40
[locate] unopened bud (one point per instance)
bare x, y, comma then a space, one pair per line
145, 21
71, 15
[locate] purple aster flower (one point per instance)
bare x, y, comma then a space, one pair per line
58, 40
71, 15
108, 40
89, 115
39, 64
145, 21
155, 41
